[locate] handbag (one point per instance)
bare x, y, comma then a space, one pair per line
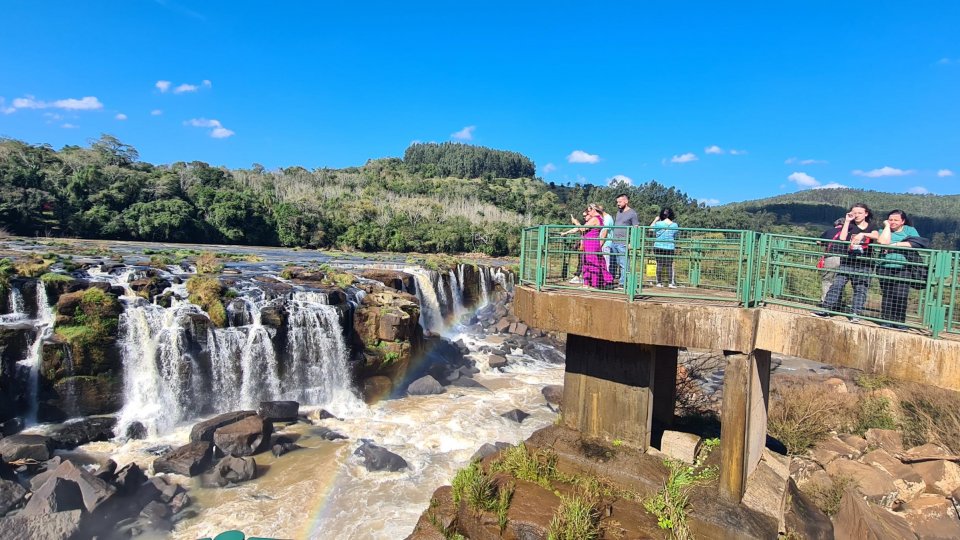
822, 262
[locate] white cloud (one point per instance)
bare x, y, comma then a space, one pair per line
218, 131
831, 185
684, 158
465, 134
791, 161
619, 178
709, 202
943, 173
206, 83
883, 171
183, 88
918, 190
87, 103
948, 61
163, 86
69, 126
803, 179
579, 156
156, 112
549, 168
713, 150
121, 116
4, 109
735, 152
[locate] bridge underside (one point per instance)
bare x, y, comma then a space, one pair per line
622, 359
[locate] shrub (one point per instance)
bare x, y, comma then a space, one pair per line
539, 467
828, 498
575, 519
929, 415
208, 263
873, 381
32, 267
873, 412
669, 504
802, 414
206, 291
53, 277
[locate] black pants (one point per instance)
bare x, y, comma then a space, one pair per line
664, 264
859, 277
893, 306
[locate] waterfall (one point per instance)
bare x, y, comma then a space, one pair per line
484, 287
18, 311
258, 364
318, 372
456, 291
441, 292
430, 315
44, 331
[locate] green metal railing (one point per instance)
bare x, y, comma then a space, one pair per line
907, 288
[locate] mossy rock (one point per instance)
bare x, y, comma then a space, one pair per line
207, 292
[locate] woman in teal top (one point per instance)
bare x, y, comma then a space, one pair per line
893, 269
664, 247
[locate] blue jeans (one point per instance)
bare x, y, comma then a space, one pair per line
618, 253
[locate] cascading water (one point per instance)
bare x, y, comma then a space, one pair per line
484, 286
260, 379
44, 330
17, 310
441, 291
430, 315
456, 291
318, 372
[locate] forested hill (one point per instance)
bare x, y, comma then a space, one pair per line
934, 216
447, 198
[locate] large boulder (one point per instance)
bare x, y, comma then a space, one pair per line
876, 485
515, 415
21, 446
425, 386
95, 491
83, 431
860, 520
377, 458
55, 495
203, 431
190, 459
399, 281
553, 393
58, 526
245, 437
803, 518
83, 395
386, 328
932, 516
279, 411
233, 470
11, 495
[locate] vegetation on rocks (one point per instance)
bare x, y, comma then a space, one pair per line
802, 414
576, 519
91, 325
670, 503
207, 292
208, 263
53, 277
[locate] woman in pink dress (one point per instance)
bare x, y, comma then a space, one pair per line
595, 273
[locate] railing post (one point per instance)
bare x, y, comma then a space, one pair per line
632, 248
541, 255
523, 258
940, 267
745, 271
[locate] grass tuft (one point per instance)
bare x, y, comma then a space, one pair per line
575, 519
803, 414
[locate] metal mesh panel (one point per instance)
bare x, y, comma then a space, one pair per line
951, 293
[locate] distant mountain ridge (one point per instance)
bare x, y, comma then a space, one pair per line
934, 216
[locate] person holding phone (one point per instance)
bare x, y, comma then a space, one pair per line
856, 265
664, 247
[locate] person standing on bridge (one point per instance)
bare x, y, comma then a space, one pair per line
831, 260
894, 269
595, 273
856, 266
626, 217
664, 247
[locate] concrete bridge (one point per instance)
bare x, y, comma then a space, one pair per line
622, 343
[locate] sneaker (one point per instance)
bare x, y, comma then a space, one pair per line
660, 285
576, 279
855, 320
672, 285
821, 314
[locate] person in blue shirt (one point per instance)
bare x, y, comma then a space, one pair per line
664, 247
893, 268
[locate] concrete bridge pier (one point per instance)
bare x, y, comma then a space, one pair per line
617, 391
743, 419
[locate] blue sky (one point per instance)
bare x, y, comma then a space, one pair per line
727, 101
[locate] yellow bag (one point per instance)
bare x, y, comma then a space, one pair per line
651, 269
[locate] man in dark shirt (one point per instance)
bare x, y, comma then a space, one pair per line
626, 217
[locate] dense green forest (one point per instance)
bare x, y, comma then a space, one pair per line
935, 216
446, 197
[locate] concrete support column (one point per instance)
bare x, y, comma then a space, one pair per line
607, 389
743, 419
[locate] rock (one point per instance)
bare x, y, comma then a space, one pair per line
323, 414
680, 445
486, 449
327, 434
129, 479
6, 473
501, 326
377, 458
58, 526
519, 329
516, 415
832, 448
942, 477
155, 516
932, 516
279, 411
245, 437
136, 431
875, 485
496, 361
376, 388
857, 443
107, 471
424, 386
888, 440
927, 450
233, 470
394, 279
73, 434
279, 449
203, 431
190, 459
465, 382
164, 491
803, 518
909, 483
860, 520
11, 427
94, 490
55, 495
836, 385
553, 393
179, 502
11, 495
16, 447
